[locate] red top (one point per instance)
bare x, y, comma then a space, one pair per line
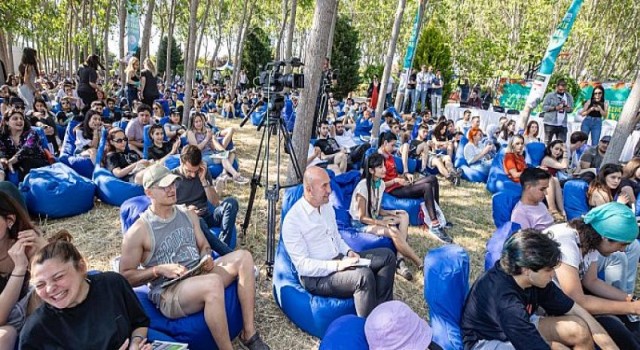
392, 172
514, 161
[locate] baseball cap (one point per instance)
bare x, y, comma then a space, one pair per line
394, 326
158, 175
605, 139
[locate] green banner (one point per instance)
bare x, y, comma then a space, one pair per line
514, 96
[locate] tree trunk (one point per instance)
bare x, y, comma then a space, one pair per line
317, 51
92, 41
202, 28
236, 57
3, 51
333, 30
146, 30
82, 24
382, 88
172, 23
628, 120
105, 37
190, 62
288, 47
122, 17
285, 15
238, 66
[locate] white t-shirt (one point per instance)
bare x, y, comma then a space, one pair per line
568, 239
346, 139
361, 189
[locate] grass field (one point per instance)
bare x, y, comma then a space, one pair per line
98, 236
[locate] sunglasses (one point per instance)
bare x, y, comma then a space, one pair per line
121, 140
598, 93
18, 107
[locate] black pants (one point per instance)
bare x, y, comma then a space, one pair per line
624, 333
88, 96
369, 286
560, 132
356, 154
426, 188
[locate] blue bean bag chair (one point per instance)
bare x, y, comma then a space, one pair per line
412, 163
82, 165
446, 284
502, 204
345, 333
109, 188
468, 173
258, 115
411, 206
498, 179
131, 209
574, 193
534, 153
495, 243
191, 329
13, 176
57, 191
289, 114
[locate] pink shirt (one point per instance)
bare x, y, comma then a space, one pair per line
532, 216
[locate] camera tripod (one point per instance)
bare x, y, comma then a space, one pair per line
273, 125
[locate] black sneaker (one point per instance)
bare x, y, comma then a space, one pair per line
403, 270
440, 234
449, 224
255, 343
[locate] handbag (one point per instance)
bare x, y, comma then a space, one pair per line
424, 215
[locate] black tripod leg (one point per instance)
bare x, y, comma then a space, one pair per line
288, 144
255, 182
272, 200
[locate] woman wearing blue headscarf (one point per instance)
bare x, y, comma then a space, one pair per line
604, 230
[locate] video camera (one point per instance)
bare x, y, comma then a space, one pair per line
272, 80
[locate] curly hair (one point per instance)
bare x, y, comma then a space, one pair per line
589, 238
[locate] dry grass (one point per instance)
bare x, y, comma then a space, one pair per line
97, 235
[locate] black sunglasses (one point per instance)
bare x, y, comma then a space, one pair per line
125, 139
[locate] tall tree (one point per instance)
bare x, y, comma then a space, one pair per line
105, 36
391, 51
285, 16
346, 57
332, 32
168, 77
257, 52
628, 120
122, 20
191, 58
317, 51
288, 47
236, 55
146, 30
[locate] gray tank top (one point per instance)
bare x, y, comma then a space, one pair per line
173, 241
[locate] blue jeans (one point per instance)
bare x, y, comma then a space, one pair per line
436, 105
423, 98
410, 93
224, 216
592, 125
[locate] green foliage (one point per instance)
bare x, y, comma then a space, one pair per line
257, 52
177, 62
433, 50
371, 70
345, 57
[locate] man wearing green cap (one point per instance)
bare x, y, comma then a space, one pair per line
604, 230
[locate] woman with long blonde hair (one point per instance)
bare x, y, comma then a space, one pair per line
133, 80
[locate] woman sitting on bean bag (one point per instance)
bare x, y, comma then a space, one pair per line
426, 188
174, 129
125, 164
367, 215
206, 140
514, 162
88, 135
477, 155
72, 300
41, 117
20, 148
555, 161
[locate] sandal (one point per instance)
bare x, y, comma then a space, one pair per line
240, 180
254, 343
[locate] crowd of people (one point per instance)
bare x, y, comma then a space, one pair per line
544, 292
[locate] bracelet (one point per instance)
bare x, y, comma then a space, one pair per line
13, 275
137, 336
155, 274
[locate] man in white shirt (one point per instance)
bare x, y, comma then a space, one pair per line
424, 82
326, 265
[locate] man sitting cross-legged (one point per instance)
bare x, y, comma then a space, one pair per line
501, 310
325, 263
167, 241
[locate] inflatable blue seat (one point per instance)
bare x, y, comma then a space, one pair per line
411, 162
258, 115
13, 176
534, 153
446, 284
57, 191
311, 313
411, 206
191, 329
109, 188
502, 204
82, 165
345, 333
165, 106
574, 193
498, 179
495, 243
131, 209
468, 173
